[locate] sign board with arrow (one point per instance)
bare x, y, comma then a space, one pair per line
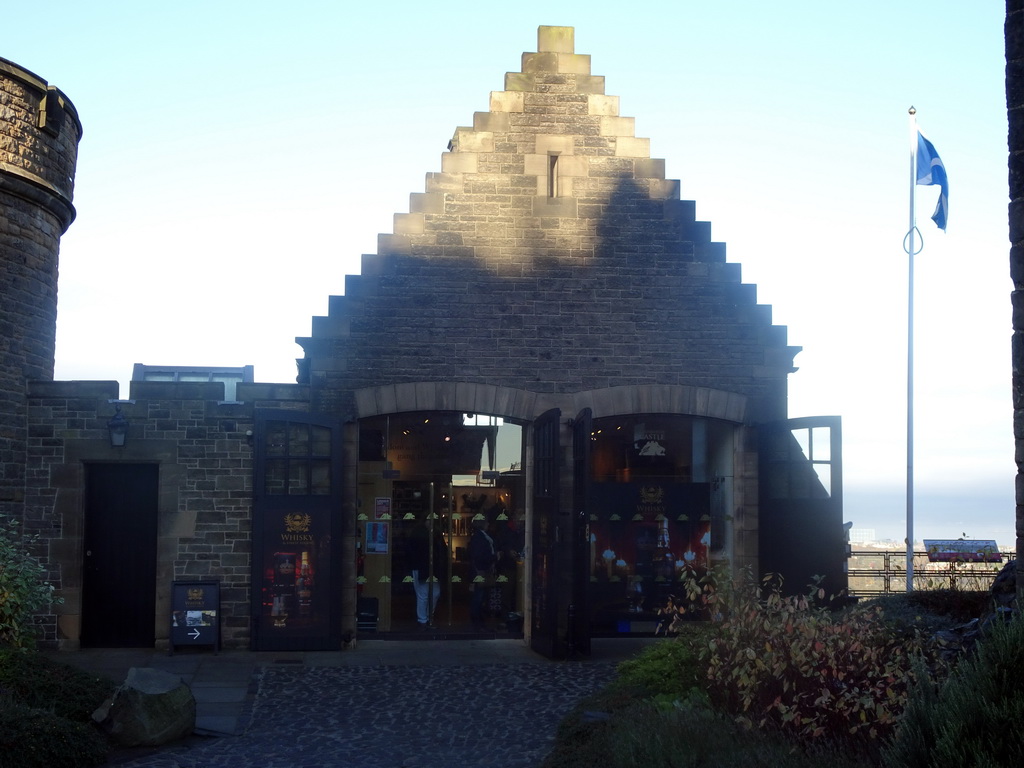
195, 614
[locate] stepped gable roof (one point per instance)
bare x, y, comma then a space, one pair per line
569, 154
550, 195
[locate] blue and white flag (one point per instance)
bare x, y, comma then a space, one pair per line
930, 170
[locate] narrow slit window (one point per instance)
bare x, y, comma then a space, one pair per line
552, 175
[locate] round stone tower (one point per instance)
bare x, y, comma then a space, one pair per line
39, 135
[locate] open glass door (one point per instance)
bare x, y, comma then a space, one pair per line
801, 503
578, 639
545, 561
455, 479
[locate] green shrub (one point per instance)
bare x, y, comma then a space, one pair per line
657, 676
692, 735
906, 616
784, 665
974, 718
23, 587
960, 605
45, 713
584, 737
39, 683
34, 738
686, 735
669, 668
929, 611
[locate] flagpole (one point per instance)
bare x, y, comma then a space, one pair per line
910, 352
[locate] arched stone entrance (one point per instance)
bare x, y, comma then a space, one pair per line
705, 427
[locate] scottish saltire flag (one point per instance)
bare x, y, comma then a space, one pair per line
930, 170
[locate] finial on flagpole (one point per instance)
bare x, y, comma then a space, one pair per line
912, 110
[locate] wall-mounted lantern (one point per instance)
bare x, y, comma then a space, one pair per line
118, 428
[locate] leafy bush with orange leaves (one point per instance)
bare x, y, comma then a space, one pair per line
787, 664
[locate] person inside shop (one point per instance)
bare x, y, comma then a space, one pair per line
509, 543
670, 615
424, 572
482, 559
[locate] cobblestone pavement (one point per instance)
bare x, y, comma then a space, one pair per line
485, 716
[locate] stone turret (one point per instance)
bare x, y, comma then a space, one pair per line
39, 135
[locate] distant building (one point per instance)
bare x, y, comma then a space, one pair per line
862, 535
548, 346
229, 377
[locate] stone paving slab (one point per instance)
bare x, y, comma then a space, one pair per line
385, 703
401, 716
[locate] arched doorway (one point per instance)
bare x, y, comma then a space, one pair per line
440, 475
659, 491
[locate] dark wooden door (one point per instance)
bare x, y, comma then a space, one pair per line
119, 571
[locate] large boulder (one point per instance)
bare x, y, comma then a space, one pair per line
152, 707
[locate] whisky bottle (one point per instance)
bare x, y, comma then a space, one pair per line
304, 586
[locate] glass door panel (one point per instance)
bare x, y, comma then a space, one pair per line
426, 476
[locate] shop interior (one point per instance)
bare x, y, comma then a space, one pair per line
660, 489
440, 471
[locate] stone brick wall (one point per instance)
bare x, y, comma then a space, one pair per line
205, 486
1015, 113
551, 255
39, 134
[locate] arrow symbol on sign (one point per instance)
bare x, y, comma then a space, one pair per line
194, 634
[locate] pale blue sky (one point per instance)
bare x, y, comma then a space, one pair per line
238, 158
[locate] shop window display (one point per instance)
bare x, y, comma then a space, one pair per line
650, 517
294, 533
440, 472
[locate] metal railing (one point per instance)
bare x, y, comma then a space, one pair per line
879, 572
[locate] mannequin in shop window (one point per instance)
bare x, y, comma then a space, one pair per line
425, 573
482, 558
